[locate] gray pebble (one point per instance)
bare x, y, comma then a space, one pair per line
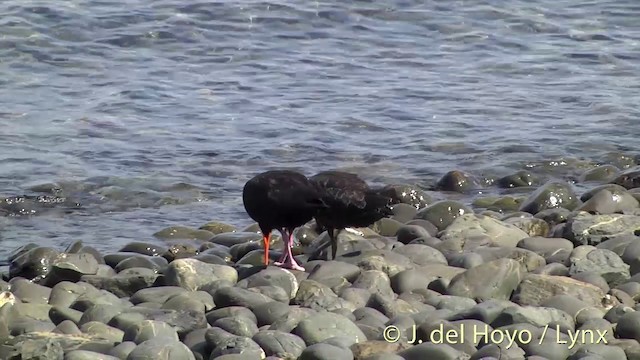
268, 313
160, 348
278, 343
325, 352
237, 325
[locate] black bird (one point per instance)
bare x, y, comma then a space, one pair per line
281, 200
350, 203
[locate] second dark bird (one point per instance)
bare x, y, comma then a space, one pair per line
350, 203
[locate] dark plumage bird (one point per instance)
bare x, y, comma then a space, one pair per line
281, 200
350, 203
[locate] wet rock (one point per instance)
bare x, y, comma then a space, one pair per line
603, 262
231, 311
443, 213
552, 249
628, 179
606, 202
322, 326
403, 212
272, 276
421, 254
407, 194
587, 229
160, 348
602, 173
192, 274
154, 263
534, 289
493, 280
457, 181
143, 248
183, 233
387, 226
280, 344
553, 216
196, 301
232, 238
408, 233
124, 284
521, 178
70, 267
34, 263
470, 225
531, 226
156, 294
216, 227
553, 194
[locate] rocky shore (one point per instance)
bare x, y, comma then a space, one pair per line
540, 272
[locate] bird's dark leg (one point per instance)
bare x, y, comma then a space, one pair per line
334, 243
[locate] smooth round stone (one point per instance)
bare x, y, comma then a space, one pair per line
494, 351
278, 343
238, 345
428, 350
123, 349
403, 212
87, 355
567, 303
555, 269
628, 326
30, 292
32, 263
593, 279
144, 248
100, 313
148, 329
599, 350
65, 293
158, 295
325, 352
161, 348
231, 311
240, 326
333, 269
234, 296
195, 301
59, 314
443, 213
587, 314
268, 313
67, 327
486, 311
217, 227
421, 254
192, 274
322, 326
632, 288
231, 238
614, 314
466, 260
427, 225
103, 330
155, 263
598, 327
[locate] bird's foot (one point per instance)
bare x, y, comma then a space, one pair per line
293, 266
354, 231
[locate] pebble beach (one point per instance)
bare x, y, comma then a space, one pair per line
544, 272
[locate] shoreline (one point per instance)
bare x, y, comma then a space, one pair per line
558, 267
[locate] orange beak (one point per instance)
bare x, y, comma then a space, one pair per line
265, 239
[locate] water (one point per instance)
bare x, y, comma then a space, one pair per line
157, 112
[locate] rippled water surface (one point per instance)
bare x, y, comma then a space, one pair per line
155, 113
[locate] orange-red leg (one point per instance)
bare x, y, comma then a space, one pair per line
266, 238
